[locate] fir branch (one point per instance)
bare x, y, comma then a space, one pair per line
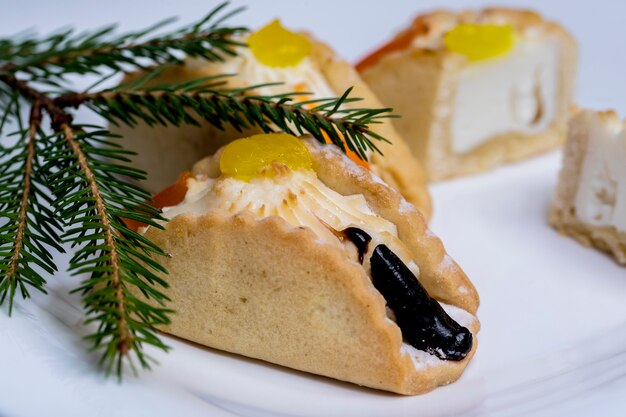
93, 203
38, 99
35, 121
30, 229
9, 106
67, 52
88, 172
185, 103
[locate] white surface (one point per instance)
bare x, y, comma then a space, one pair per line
553, 341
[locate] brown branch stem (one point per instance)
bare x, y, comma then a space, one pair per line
76, 99
58, 115
108, 50
35, 121
125, 335
61, 122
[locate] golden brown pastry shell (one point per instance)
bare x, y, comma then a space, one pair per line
262, 288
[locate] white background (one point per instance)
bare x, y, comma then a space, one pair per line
354, 27
553, 312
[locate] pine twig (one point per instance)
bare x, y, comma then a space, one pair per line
30, 230
175, 104
10, 276
93, 204
58, 116
66, 52
124, 337
88, 174
35, 120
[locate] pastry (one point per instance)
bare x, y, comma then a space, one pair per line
285, 250
477, 88
590, 200
304, 65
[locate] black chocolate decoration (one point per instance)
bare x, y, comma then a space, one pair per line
360, 239
423, 322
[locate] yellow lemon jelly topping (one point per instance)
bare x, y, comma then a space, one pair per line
275, 46
479, 42
248, 158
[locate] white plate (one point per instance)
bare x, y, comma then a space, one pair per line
553, 313
553, 335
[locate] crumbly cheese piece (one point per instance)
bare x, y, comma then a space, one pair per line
590, 201
601, 196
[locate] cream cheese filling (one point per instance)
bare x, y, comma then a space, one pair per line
305, 77
301, 199
517, 92
601, 196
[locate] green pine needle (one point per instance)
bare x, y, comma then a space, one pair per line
29, 230
67, 52
118, 260
207, 99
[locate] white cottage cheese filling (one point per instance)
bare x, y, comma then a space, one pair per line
305, 77
301, 199
601, 196
516, 92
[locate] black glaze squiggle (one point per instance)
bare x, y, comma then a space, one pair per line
423, 322
360, 239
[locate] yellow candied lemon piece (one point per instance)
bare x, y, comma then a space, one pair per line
479, 42
247, 158
275, 46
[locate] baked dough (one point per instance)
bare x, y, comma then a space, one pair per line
460, 116
590, 200
260, 286
164, 152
